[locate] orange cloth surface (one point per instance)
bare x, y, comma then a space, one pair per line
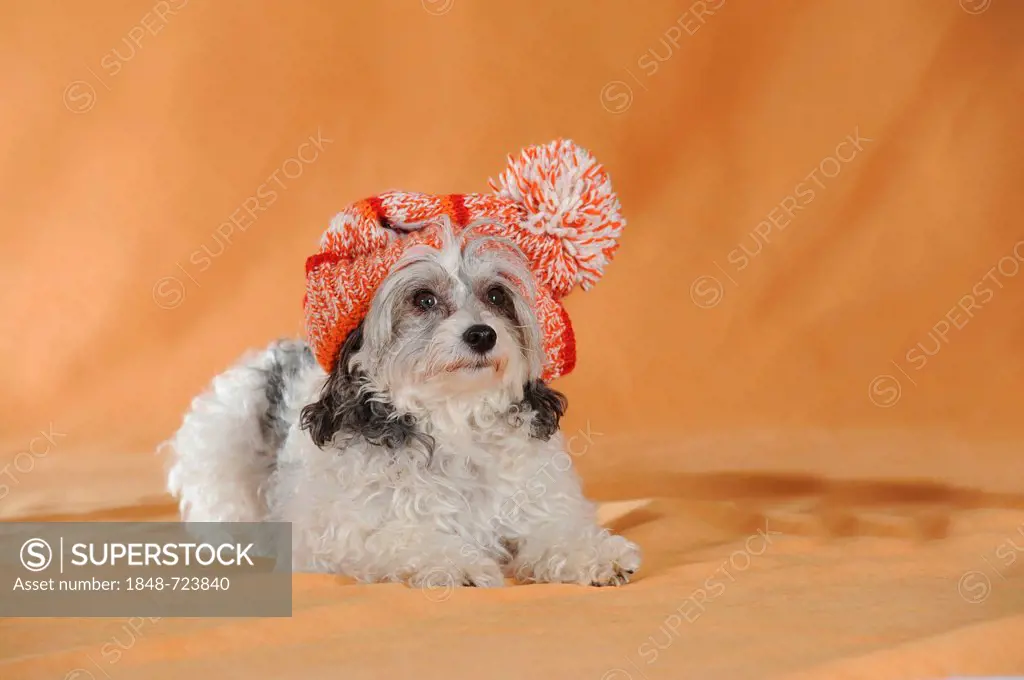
811, 329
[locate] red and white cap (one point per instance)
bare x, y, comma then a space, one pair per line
553, 201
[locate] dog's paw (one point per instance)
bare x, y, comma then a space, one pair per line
483, 573
616, 561
601, 560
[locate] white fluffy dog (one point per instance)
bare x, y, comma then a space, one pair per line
431, 453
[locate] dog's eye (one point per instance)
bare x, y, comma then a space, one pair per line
496, 296
424, 299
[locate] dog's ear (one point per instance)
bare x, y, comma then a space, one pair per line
548, 407
346, 405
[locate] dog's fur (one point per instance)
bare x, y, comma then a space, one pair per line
416, 459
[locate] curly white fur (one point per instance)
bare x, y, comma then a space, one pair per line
491, 498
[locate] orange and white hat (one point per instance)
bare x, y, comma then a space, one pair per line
553, 201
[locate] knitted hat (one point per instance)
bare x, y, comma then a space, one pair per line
553, 201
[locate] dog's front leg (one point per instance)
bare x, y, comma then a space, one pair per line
557, 536
426, 558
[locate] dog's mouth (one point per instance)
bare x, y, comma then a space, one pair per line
472, 365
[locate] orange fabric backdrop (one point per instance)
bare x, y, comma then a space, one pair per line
816, 296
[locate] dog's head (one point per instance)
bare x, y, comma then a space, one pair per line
451, 328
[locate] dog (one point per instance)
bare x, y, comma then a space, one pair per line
431, 453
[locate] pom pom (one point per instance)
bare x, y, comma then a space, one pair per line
568, 198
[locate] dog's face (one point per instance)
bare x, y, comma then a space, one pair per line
452, 322
454, 325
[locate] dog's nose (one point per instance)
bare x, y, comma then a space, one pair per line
480, 337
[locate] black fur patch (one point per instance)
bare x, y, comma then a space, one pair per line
346, 407
287, 358
548, 406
